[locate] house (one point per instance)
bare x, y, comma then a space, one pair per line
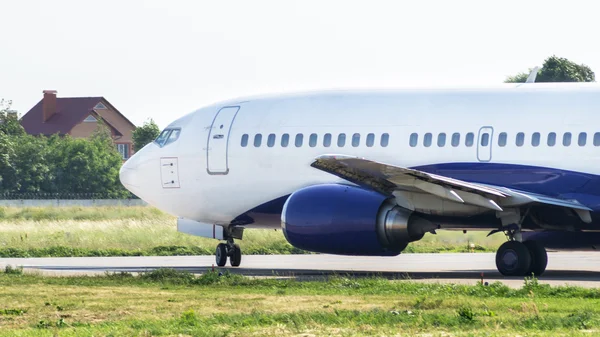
78, 117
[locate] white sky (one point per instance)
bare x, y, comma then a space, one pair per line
163, 59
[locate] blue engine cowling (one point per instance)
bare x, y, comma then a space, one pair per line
348, 220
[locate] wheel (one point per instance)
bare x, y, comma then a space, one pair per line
221, 254
513, 259
236, 256
539, 257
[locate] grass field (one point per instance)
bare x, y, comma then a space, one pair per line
122, 231
170, 303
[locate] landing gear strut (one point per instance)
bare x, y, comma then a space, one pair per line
231, 250
520, 258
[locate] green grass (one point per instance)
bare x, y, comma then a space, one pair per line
167, 302
138, 231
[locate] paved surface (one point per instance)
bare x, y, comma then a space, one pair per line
578, 268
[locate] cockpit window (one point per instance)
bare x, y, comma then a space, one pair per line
173, 136
168, 136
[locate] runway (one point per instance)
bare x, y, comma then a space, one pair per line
573, 268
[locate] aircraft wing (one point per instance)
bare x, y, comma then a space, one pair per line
387, 179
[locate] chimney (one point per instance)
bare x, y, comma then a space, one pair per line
48, 104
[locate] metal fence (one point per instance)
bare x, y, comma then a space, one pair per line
63, 196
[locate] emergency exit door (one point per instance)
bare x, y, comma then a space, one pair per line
218, 140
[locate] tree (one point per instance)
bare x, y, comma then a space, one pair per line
558, 69
9, 122
145, 134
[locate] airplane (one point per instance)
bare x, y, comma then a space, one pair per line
367, 172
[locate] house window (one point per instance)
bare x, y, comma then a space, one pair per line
90, 119
100, 106
123, 150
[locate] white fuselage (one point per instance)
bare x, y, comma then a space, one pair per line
244, 177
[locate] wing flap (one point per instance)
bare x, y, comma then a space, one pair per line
386, 179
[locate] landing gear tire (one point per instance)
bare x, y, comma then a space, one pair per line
539, 258
221, 254
236, 256
513, 259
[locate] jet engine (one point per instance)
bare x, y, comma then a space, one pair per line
349, 220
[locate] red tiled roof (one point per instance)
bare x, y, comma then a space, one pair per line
70, 111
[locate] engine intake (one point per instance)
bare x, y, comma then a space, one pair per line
349, 220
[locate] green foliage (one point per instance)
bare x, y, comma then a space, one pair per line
38, 164
145, 134
13, 270
558, 69
9, 121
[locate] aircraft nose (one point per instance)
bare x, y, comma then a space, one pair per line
128, 172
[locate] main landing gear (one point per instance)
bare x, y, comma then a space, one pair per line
517, 258
231, 250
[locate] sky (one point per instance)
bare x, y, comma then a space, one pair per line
164, 59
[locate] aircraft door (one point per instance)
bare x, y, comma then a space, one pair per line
218, 140
484, 144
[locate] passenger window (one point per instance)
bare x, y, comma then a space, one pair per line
385, 138
299, 139
551, 139
469, 139
244, 140
427, 139
414, 139
341, 140
271, 140
502, 139
597, 139
485, 139
370, 139
327, 140
312, 141
455, 139
520, 139
567, 139
257, 139
441, 140
355, 139
535, 139
582, 139
285, 140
